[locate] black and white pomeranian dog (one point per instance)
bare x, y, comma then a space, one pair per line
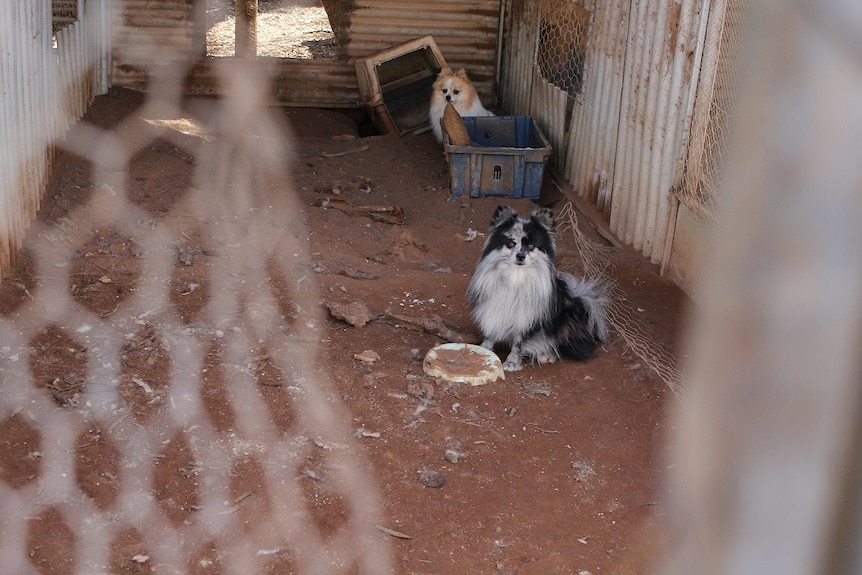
518, 298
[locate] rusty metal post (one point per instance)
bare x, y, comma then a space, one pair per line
246, 28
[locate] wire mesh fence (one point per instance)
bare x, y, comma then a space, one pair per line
562, 30
561, 44
718, 93
156, 447
598, 263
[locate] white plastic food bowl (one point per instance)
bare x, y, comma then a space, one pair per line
463, 363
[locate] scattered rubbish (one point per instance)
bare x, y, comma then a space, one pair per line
583, 471
328, 445
421, 389
359, 183
262, 552
384, 214
536, 388
355, 313
433, 324
394, 533
186, 256
470, 235
452, 456
143, 385
431, 478
367, 356
356, 150
244, 496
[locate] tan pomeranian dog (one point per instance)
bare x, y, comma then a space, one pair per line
455, 87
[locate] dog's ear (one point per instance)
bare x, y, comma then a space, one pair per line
503, 213
461, 73
447, 71
545, 218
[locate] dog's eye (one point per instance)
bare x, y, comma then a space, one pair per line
456, 92
510, 243
445, 90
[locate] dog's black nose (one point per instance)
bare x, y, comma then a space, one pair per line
448, 98
520, 257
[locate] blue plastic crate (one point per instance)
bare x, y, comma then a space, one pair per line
509, 162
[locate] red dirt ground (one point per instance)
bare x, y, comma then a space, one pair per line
557, 469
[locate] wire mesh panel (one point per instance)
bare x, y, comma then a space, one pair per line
772, 412
562, 42
152, 396
561, 32
714, 108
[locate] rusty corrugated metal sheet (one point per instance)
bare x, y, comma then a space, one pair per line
466, 32
25, 34
149, 32
628, 131
656, 98
43, 90
309, 83
516, 75
595, 117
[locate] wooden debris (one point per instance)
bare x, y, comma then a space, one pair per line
393, 533
356, 150
432, 324
244, 496
384, 214
356, 274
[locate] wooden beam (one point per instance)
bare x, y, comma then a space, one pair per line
246, 28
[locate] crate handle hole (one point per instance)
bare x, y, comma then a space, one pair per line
498, 172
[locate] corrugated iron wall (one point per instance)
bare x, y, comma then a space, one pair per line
591, 145
657, 98
151, 32
148, 33
516, 74
624, 144
706, 158
466, 32
43, 91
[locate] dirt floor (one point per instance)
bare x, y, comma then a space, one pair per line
556, 469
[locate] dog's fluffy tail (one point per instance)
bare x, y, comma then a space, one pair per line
584, 323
